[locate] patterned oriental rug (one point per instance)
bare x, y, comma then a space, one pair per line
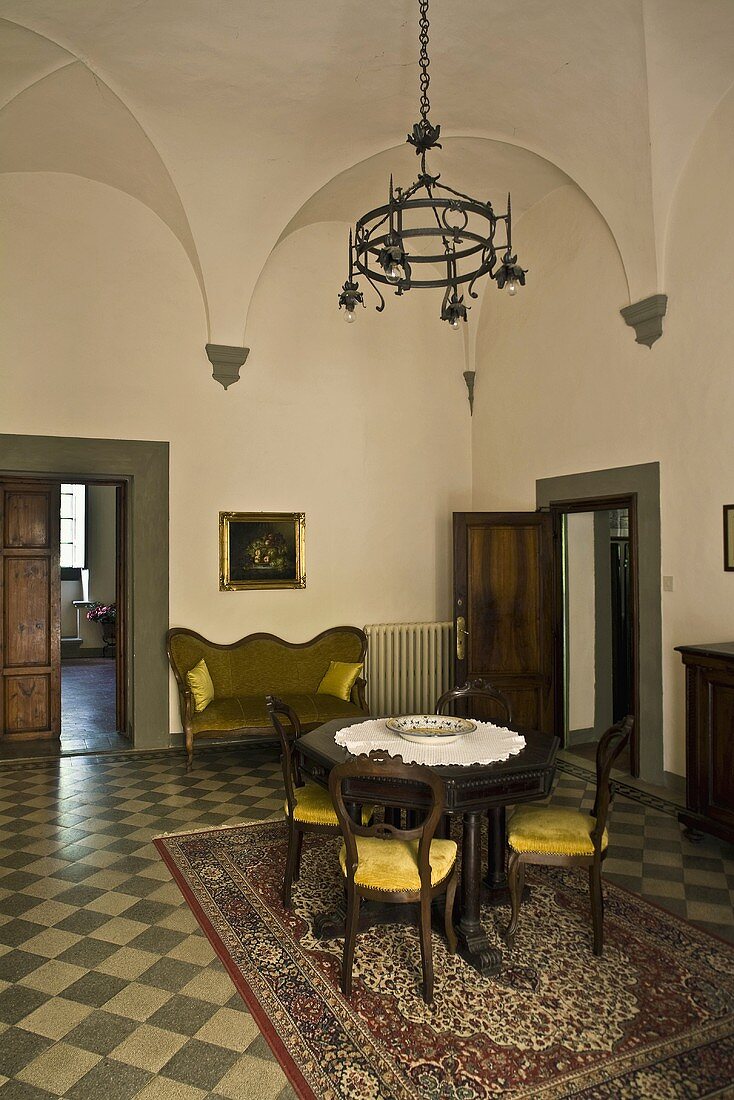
651, 1019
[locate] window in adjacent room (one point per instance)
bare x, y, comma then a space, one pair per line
73, 528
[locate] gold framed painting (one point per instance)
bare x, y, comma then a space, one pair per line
261, 550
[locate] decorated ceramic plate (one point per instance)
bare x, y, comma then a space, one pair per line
430, 729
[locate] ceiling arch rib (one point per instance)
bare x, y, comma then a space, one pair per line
70, 121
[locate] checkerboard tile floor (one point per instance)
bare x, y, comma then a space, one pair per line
107, 986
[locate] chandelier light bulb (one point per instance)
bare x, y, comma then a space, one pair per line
512, 287
454, 322
349, 316
394, 273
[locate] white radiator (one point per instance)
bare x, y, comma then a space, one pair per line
408, 666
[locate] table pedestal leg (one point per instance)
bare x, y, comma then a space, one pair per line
474, 943
496, 891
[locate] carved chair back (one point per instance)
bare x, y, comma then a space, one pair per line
380, 766
474, 689
288, 727
611, 745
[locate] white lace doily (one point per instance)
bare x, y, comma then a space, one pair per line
484, 745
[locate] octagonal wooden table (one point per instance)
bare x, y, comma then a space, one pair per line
471, 791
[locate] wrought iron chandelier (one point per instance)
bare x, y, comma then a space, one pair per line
430, 223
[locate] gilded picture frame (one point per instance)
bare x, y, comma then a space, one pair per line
729, 538
261, 550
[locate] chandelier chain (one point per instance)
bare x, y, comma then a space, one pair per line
424, 59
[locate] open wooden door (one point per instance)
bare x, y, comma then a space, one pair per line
30, 610
504, 609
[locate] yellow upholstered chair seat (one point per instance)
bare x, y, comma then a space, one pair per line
552, 831
393, 864
314, 806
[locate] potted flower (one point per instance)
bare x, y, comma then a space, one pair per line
106, 615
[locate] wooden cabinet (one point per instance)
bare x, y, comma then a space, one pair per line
709, 738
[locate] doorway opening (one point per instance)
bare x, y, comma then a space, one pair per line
92, 612
63, 676
597, 629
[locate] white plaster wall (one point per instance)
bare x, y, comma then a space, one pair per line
562, 388
365, 428
581, 620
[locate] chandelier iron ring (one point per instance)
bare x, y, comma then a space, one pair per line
380, 245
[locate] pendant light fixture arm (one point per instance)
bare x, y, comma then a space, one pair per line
429, 226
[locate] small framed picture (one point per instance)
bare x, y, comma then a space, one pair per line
261, 550
729, 537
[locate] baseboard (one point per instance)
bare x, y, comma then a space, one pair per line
675, 782
580, 737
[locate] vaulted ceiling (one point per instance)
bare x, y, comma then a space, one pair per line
239, 121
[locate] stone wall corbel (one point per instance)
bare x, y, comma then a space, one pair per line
226, 362
646, 318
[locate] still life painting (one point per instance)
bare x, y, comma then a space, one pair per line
261, 550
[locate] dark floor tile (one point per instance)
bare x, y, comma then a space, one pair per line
20, 1090
101, 1032
94, 989
17, 904
200, 1064
661, 872
170, 974
88, 953
182, 1014
18, 1048
80, 895
83, 922
75, 872
110, 1080
17, 964
18, 880
149, 912
17, 1001
157, 940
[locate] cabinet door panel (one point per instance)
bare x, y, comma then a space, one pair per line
27, 522
27, 703
27, 612
30, 611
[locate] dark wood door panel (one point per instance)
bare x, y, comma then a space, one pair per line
27, 585
504, 592
27, 704
505, 600
27, 521
30, 612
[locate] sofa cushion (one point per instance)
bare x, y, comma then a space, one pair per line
249, 712
200, 683
339, 680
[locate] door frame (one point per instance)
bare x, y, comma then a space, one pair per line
143, 464
559, 509
644, 480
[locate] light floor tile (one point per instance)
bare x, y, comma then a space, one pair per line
149, 1047
252, 1079
230, 1029
137, 1002
58, 1068
55, 1018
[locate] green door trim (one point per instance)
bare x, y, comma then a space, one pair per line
144, 466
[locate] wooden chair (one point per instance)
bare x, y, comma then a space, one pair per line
383, 862
568, 838
308, 808
474, 689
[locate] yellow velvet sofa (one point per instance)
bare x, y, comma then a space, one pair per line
244, 672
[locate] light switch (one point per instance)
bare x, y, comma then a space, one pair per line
667, 584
